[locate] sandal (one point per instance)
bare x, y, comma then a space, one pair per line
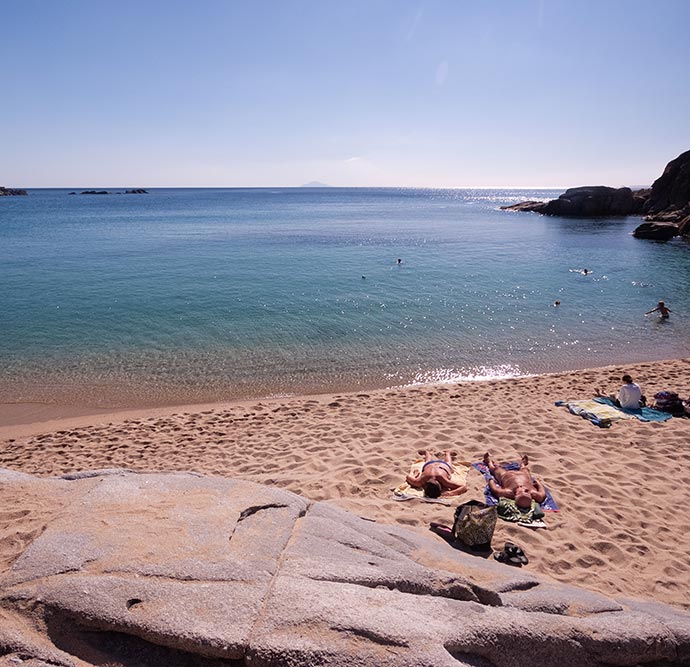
515, 554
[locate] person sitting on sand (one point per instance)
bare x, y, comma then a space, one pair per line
434, 477
629, 396
516, 485
663, 310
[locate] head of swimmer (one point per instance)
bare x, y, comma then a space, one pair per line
432, 489
523, 498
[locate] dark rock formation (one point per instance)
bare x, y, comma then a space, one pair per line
684, 226
587, 202
94, 192
9, 192
530, 206
667, 203
119, 568
136, 191
657, 231
672, 188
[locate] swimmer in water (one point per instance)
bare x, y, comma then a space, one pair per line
662, 309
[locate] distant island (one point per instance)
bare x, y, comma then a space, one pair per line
10, 192
316, 184
136, 191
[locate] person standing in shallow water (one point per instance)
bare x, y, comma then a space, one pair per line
663, 310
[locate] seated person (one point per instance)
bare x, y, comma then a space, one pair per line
435, 477
516, 485
629, 396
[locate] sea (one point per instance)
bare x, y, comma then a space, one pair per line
201, 295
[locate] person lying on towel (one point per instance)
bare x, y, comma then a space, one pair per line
516, 485
435, 475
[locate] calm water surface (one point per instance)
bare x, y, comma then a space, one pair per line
212, 294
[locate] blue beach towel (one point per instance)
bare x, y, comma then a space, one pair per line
549, 504
643, 414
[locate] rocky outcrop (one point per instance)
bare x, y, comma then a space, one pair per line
136, 191
119, 568
587, 202
94, 192
10, 192
666, 202
657, 231
671, 191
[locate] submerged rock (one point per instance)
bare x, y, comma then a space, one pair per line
119, 568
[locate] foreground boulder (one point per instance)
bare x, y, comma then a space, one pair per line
10, 192
117, 568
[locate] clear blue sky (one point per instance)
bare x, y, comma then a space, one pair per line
440, 93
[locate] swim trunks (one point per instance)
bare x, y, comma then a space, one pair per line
445, 463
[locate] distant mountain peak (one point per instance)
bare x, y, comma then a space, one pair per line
315, 184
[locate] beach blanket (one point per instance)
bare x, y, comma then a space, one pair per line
600, 414
549, 504
406, 492
643, 414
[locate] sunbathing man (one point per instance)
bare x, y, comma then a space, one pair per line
435, 477
517, 485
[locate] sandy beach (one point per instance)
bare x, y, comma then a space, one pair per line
622, 529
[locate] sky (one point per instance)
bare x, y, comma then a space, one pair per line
444, 93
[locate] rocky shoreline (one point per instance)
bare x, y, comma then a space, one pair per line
666, 205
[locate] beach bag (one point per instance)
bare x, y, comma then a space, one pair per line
474, 523
669, 401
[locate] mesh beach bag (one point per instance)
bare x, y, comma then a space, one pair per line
474, 523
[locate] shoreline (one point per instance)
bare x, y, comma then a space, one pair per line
26, 415
618, 531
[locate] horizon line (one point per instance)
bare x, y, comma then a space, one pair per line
318, 187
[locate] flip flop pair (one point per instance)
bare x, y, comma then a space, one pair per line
511, 555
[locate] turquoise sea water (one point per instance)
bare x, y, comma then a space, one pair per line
186, 295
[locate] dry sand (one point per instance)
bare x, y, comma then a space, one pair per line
623, 528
